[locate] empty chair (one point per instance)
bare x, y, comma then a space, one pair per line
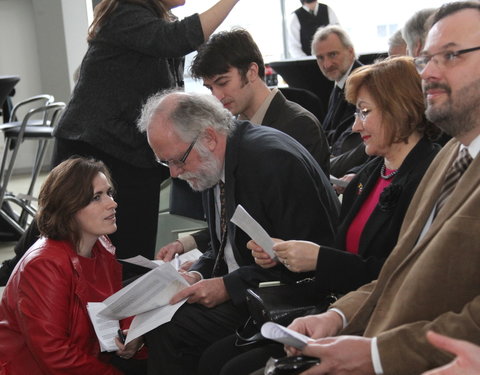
37, 125
306, 99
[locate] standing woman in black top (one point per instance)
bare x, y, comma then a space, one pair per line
135, 49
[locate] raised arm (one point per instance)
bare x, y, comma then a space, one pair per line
214, 16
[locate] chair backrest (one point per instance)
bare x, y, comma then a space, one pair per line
45, 116
22, 108
305, 74
7, 83
306, 99
370, 58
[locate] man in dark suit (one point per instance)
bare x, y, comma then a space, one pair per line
335, 56
233, 162
232, 67
430, 281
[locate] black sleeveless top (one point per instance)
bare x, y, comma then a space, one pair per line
309, 23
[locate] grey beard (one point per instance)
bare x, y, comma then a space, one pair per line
207, 175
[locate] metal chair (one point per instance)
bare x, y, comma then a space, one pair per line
37, 125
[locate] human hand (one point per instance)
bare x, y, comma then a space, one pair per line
190, 277
129, 350
209, 293
167, 253
297, 256
468, 356
261, 257
340, 355
316, 326
185, 266
341, 189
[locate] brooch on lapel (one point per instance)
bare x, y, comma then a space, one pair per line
359, 188
389, 197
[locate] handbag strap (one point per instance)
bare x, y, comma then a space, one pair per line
248, 334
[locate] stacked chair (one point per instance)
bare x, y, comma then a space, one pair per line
40, 115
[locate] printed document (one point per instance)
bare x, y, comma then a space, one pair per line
284, 335
106, 329
147, 298
251, 227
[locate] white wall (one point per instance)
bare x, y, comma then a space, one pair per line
19, 46
43, 43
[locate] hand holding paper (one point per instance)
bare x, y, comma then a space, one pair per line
248, 224
177, 261
286, 336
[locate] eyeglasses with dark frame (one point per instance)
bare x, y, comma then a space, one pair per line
178, 163
445, 58
362, 113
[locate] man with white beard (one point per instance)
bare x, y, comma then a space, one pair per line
233, 162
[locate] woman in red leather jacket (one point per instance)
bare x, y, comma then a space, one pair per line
44, 324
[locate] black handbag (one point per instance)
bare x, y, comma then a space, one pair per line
281, 304
289, 365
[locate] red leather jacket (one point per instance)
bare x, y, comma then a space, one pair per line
44, 324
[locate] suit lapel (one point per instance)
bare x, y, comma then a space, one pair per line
334, 104
422, 205
464, 188
272, 111
376, 221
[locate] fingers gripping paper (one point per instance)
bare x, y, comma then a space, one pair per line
248, 224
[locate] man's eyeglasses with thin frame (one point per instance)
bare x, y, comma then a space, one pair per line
178, 163
444, 58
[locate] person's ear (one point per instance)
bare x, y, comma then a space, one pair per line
211, 139
417, 49
252, 72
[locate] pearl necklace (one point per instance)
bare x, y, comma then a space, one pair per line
388, 176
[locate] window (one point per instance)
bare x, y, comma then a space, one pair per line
362, 19
370, 23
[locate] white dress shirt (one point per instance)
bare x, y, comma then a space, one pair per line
293, 33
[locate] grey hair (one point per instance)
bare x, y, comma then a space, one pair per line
396, 40
323, 33
415, 29
191, 114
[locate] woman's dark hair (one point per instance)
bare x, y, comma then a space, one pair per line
67, 189
106, 7
395, 85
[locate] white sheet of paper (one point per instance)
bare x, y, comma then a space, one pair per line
336, 181
147, 298
149, 320
248, 224
151, 291
140, 260
284, 335
105, 328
